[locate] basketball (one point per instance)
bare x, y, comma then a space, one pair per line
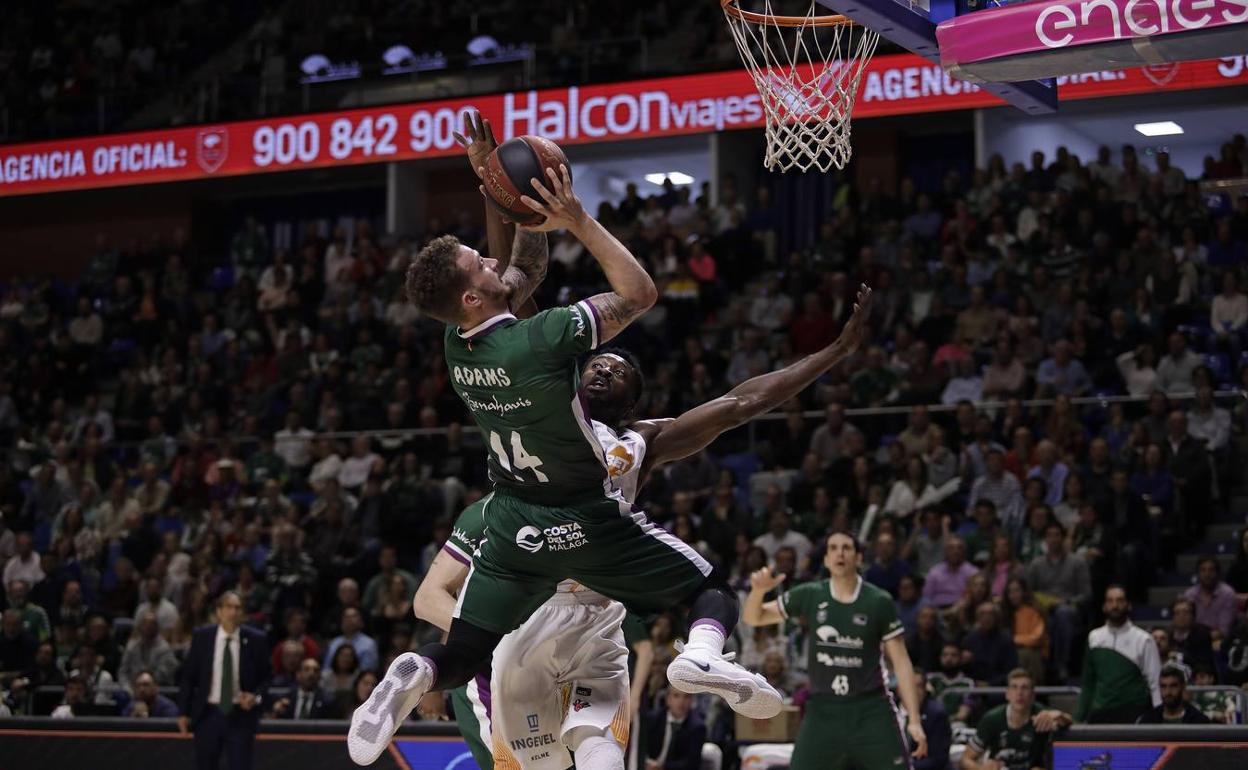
509, 171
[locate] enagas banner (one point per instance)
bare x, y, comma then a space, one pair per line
690, 104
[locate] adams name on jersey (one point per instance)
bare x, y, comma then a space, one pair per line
520, 381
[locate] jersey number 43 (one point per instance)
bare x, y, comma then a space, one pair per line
520, 460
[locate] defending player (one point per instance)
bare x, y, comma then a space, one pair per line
1016, 735
554, 513
851, 722
565, 666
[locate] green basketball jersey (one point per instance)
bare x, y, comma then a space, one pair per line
1020, 749
951, 691
466, 533
520, 381
845, 637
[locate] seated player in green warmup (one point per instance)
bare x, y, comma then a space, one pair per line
851, 722
1014, 736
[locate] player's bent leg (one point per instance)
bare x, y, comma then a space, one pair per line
595, 749
377, 719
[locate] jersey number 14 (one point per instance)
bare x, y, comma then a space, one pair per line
520, 460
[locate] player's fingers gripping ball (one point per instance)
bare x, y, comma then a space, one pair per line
510, 169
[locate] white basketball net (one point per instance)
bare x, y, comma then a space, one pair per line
807, 75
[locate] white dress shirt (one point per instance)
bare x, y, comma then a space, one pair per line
218, 660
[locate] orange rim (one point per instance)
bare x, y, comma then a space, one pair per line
835, 20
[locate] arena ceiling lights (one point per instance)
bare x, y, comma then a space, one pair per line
677, 177
1161, 128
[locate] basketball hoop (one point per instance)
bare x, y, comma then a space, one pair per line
807, 70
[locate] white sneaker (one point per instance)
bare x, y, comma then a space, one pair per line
377, 719
700, 670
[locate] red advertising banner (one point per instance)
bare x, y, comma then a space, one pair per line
893, 85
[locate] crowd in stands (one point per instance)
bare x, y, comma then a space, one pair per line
83, 66
176, 427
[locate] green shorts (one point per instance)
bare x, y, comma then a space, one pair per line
472, 717
600, 543
850, 734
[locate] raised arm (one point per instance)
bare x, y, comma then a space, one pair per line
500, 235
695, 429
632, 290
755, 612
435, 598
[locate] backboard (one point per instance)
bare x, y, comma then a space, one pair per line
912, 25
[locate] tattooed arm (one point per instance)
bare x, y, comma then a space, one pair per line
529, 257
633, 292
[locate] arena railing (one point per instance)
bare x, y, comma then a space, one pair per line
1070, 692
853, 412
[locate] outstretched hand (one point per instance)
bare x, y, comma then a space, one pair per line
562, 209
855, 331
479, 140
764, 580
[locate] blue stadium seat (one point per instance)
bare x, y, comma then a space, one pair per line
1220, 367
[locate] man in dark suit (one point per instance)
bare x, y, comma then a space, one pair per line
307, 700
225, 671
674, 735
1189, 464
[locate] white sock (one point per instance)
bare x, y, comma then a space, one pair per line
706, 636
594, 750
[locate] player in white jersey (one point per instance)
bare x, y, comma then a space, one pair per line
566, 665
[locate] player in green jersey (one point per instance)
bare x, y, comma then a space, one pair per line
554, 513
851, 722
1014, 736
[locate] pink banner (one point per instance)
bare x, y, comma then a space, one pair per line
1045, 26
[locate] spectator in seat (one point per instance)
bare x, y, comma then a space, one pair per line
1174, 373
936, 727
17, 645
1190, 639
1063, 586
779, 535
387, 561
147, 652
100, 682
1025, 620
886, 570
926, 641
34, 618
988, 651
675, 734
290, 572
927, 542
25, 564
1192, 471
1215, 602
1120, 667
946, 582
999, 488
353, 635
154, 601
1209, 423
949, 682
1062, 374
148, 702
1174, 708
984, 532
909, 601
296, 625
1050, 469
77, 700
308, 700
1228, 316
